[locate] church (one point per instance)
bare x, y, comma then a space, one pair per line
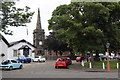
23, 47
39, 36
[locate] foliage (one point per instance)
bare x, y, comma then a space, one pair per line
12, 16
87, 26
52, 44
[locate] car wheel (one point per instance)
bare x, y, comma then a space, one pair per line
39, 61
20, 67
56, 67
11, 68
29, 61
67, 67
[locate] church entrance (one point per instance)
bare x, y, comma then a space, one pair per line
25, 49
26, 52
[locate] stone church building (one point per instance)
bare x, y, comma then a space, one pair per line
39, 36
38, 40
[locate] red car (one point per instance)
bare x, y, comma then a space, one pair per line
61, 62
68, 60
79, 58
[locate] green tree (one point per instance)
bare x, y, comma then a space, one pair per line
12, 16
87, 26
52, 44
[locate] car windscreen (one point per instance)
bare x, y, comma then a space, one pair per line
78, 57
42, 57
36, 56
5, 62
60, 59
22, 57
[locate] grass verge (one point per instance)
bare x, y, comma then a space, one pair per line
99, 64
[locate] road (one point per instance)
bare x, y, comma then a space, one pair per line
47, 70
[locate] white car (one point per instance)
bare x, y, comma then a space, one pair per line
39, 59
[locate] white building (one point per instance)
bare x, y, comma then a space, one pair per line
15, 49
21, 48
3, 48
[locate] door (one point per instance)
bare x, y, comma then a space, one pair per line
14, 64
26, 52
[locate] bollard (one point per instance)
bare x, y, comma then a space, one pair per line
82, 63
103, 65
117, 65
90, 65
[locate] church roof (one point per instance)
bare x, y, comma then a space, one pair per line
16, 42
24, 47
38, 26
6, 42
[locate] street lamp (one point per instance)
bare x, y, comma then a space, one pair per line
40, 48
108, 60
40, 43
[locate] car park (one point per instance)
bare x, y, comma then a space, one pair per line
61, 62
79, 58
39, 59
10, 64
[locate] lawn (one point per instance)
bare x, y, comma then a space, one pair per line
99, 64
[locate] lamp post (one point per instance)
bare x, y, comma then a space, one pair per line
40, 43
40, 47
108, 60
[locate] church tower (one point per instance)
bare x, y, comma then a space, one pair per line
39, 35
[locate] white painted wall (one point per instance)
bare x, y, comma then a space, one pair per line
16, 47
3, 49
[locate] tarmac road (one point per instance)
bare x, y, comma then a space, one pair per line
47, 70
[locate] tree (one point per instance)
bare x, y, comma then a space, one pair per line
12, 16
57, 46
87, 26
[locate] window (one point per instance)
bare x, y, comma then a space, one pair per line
5, 62
15, 53
13, 61
60, 59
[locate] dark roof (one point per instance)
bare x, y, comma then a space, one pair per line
16, 42
24, 47
6, 42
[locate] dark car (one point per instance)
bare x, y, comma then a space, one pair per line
23, 59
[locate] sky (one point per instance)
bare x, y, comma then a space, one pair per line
46, 9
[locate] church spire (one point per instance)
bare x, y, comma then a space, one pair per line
38, 26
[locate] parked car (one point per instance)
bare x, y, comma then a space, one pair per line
24, 59
102, 57
10, 64
61, 62
79, 58
116, 57
39, 59
68, 60
29, 59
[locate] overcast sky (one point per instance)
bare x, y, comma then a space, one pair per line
46, 9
